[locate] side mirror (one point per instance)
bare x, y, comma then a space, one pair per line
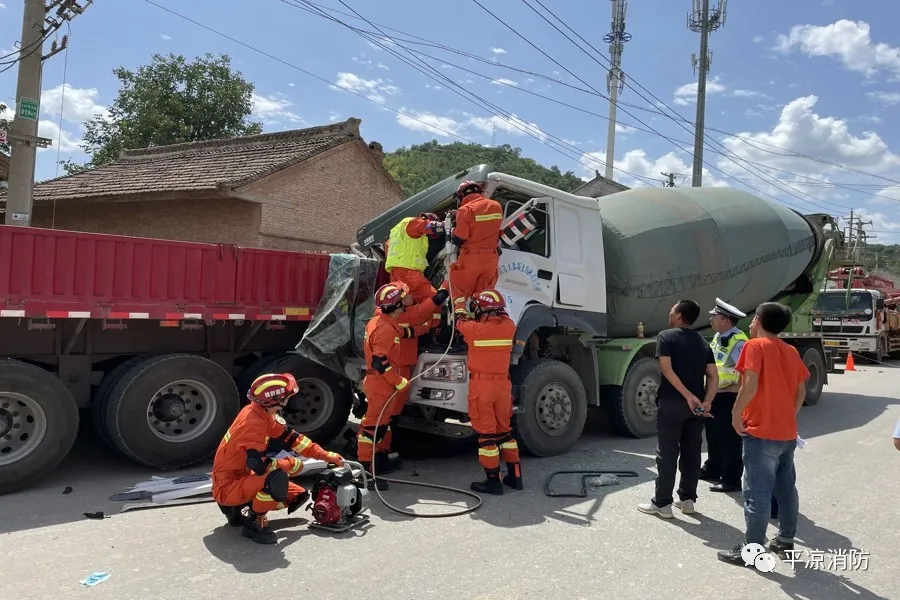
879, 304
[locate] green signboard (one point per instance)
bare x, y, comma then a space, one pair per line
28, 108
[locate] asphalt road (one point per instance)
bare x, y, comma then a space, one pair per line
524, 545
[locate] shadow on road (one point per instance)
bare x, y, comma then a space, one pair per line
801, 584
255, 558
841, 412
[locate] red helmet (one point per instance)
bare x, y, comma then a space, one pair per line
489, 300
468, 187
272, 389
391, 295
429, 216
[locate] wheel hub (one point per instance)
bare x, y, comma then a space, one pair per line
182, 411
646, 397
169, 408
23, 425
311, 408
555, 409
6, 422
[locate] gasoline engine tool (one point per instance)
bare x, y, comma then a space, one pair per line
339, 497
585, 475
448, 258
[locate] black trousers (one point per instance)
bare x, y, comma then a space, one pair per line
725, 459
679, 444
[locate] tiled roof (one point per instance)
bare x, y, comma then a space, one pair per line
215, 165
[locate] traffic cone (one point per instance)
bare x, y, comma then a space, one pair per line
849, 366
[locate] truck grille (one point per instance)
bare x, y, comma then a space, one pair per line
857, 329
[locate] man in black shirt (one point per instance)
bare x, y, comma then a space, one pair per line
689, 374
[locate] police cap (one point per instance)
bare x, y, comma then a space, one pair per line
727, 310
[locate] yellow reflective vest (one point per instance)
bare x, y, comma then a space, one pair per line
406, 252
722, 347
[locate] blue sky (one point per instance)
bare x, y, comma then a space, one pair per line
817, 78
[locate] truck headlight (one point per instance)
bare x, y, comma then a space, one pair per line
454, 370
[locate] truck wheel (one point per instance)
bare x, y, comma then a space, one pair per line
632, 412
100, 401
254, 370
322, 408
171, 411
552, 407
38, 424
815, 364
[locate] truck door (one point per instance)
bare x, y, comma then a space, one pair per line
526, 271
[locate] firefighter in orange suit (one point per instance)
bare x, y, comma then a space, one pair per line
477, 236
244, 477
407, 256
490, 339
384, 381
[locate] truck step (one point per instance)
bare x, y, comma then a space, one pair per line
451, 430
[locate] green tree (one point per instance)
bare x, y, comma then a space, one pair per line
5, 124
417, 167
170, 101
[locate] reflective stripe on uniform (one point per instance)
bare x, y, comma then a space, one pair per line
435, 315
722, 355
302, 444
396, 340
264, 497
492, 343
296, 467
227, 436
489, 452
510, 445
489, 217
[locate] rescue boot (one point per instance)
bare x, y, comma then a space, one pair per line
298, 502
256, 527
233, 514
384, 464
491, 485
513, 477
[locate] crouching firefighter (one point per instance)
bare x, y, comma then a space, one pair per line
385, 379
243, 477
490, 339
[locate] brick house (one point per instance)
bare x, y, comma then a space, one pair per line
307, 189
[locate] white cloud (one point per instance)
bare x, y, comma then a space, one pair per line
848, 41
383, 67
433, 87
511, 124
758, 39
687, 93
636, 162
498, 51
274, 108
291, 85
888, 228
66, 143
78, 104
747, 94
623, 129
889, 98
889, 195
504, 81
428, 123
373, 89
165, 37
384, 41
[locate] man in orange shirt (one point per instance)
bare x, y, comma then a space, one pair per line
773, 388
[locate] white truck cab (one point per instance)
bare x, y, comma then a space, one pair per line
852, 322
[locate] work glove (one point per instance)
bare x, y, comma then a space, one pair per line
440, 297
408, 332
434, 229
403, 383
334, 458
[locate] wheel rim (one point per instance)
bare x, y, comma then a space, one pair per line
645, 397
554, 409
813, 369
315, 406
23, 425
182, 411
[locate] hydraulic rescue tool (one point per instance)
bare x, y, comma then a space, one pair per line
339, 497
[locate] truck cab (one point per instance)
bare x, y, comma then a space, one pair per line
853, 321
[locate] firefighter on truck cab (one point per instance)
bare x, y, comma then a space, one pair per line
407, 256
490, 339
244, 478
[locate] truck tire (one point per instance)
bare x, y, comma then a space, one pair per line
815, 363
101, 398
322, 408
632, 411
254, 370
552, 407
171, 411
38, 424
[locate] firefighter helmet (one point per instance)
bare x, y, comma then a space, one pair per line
429, 216
390, 296
272, 389
468, 187
489, 300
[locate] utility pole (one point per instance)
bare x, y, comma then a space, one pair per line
703, 20
670, 179
37, 26
615, 78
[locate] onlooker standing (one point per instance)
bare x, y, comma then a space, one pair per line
724, 465
773, 388
685, 359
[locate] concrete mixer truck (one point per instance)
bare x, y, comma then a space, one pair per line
589, 286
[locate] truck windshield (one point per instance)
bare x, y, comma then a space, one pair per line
836, 302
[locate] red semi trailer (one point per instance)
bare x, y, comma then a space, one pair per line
155, 340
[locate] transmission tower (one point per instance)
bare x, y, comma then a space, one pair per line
704, 20
670, 179
615, 79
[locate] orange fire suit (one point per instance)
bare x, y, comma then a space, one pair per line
490, 340
419, 286
477, 233
243, 474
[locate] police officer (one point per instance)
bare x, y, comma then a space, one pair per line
724, 465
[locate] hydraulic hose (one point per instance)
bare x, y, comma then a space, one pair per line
403, 511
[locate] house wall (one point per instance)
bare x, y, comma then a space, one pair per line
227, 220
330, 197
